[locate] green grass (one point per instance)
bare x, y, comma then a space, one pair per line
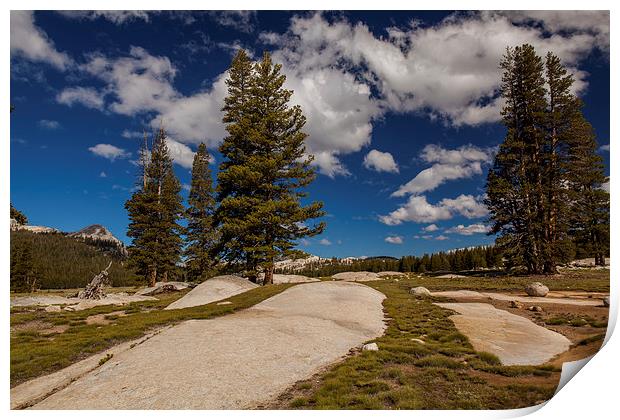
577, 280
576, 321
34, 353
443, 373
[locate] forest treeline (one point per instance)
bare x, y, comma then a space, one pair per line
475, 258
57, 261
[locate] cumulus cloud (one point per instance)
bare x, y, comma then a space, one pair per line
31, 43
181, 154
241, 20
396, 240
441, 238
49, 124
431, 228
448, 165
109, 151
117, 17
86, 96
325, 242
468, 230
419, 210
447, 70
380, 161
604, 148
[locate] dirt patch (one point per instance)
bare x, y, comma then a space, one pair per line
104, 319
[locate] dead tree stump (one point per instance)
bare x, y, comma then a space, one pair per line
94, 289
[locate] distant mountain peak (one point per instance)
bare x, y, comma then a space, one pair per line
98, 232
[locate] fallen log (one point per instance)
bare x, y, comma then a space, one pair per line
94, 289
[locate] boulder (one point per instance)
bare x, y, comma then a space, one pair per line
53, 308
417, 340
535, 309
370, 347
420, 291
536, 289
516, 304
606, 301
161, 287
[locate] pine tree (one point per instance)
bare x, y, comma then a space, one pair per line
265, 169
201, 233
154, 213
23, 274
19, 217
529, 189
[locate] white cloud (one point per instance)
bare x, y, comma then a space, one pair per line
468, 230
431, 228
117, 17
448, 165
380, 161
49, 124
180, 153
604, 148
103, 175
448, 70
241, 20
128, 134
441, 238
31, 43
325, 242
396, 240
109, 151
419, 210
86, 96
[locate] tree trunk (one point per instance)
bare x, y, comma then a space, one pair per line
164, 277
268, 276
152, 277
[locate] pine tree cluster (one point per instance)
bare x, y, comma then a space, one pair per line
256, 213
544, 192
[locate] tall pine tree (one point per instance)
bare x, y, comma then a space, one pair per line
532, 193
154, 213
261, 180
201, 232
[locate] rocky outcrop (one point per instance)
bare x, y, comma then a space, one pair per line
420, 291
99, 233
536, 289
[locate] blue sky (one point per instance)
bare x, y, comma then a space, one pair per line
402, 108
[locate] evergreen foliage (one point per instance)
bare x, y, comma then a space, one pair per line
154, 213
265, 167
201, 232
533, 194
19, 217
63, 262
482, 257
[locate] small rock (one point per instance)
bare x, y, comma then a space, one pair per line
52, 308
537, 289
420, 291
224, 303
417, 340
606, 301
370, 347
516, 304
535, 309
